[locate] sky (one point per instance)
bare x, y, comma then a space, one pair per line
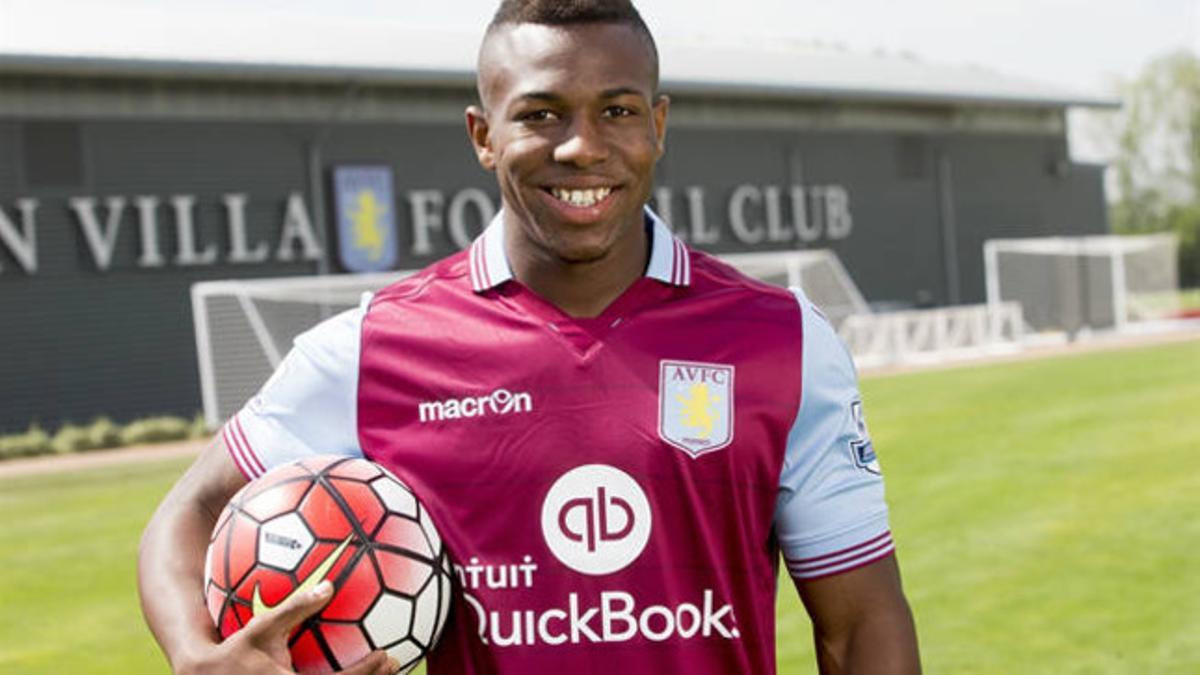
1079, 43
1085, 45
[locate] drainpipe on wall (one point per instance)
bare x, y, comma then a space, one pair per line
945, 189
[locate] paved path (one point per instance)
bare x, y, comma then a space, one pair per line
91, 460
1099, 344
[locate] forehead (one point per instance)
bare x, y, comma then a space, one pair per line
564, 60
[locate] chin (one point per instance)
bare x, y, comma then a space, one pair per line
582, 257
578, 245
580, 253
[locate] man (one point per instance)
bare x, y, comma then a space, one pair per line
635, 426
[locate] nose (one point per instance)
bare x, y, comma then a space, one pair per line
583, 145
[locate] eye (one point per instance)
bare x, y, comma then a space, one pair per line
619, 111
542, 115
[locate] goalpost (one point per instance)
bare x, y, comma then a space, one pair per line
245, 327
1078, 284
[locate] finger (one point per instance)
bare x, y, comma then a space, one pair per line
375, 663
297, 608
390, 667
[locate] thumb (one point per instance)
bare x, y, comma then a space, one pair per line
297, 608
375, 663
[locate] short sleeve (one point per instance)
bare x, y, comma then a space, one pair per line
830, 516
309, 405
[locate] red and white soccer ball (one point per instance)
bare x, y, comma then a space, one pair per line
346, 520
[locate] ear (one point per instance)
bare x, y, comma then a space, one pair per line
661, 105
479, 132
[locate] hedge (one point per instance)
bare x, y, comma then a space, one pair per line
102, 433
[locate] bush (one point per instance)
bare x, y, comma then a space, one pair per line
103, 433
100, 434
70, 438
199, 429
1184, 221
156, 430
35, 441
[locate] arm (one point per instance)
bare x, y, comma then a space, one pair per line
170, 578
832, 519
861, 621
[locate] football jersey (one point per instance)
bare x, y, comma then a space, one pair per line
615, 492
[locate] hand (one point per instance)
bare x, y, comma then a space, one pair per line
261, 647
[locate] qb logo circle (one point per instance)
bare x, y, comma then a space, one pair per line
596, 519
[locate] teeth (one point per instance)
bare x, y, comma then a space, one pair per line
582, 197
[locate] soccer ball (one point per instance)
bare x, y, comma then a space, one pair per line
346, 520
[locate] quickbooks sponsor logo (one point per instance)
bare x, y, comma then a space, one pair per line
596, 519
499, 402
616, 618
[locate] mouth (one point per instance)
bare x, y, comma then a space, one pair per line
581, 206
581, 198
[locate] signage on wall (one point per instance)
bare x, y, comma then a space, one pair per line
766, 216
366, 220
378, 230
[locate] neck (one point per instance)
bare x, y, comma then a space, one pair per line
580, 289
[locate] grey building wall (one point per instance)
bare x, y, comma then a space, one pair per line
80, 341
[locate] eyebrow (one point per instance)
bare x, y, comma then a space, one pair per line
620, 91
551, 97
539, 96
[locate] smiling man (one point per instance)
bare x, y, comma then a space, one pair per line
617, 436
572, 125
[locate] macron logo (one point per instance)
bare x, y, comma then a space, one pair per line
499, 402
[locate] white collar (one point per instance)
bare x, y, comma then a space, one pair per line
670, 261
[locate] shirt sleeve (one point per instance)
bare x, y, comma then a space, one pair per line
830, 516
309, 406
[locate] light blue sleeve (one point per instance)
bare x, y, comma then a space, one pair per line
309, 406
830, 516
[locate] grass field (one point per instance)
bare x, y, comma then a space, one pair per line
1047, 512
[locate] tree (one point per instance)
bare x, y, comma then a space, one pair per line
1157, 156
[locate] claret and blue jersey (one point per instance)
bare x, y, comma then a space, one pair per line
612, 490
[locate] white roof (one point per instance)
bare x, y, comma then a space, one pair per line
791, 70
812, 70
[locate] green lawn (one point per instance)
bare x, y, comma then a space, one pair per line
1048, 518
1189, 299
68, 599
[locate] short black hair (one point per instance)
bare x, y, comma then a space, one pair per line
569, 12
563, 12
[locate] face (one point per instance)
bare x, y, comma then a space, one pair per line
572, 128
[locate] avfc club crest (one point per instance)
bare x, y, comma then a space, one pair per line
366, 223
695, 405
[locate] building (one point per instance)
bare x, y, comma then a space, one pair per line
123, 181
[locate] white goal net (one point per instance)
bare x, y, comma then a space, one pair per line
819, 272
245, 327
1076, 284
